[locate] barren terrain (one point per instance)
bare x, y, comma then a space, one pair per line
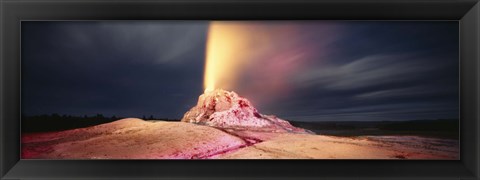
138, 139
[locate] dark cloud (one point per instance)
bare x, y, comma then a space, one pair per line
365, 70
114, 68
380, 71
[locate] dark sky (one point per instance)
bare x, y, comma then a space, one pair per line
353, 70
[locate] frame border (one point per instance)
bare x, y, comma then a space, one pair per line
467, 12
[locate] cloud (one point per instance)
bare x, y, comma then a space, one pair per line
159, 42
407, 92
368, 71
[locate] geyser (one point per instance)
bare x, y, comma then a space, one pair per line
230, 48
227, 110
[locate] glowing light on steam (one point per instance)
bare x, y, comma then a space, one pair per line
226, 47
259, 59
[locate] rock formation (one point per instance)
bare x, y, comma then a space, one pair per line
227, 110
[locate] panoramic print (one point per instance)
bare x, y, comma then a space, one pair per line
240, 90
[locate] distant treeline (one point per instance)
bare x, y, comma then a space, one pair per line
446, 128
56, 122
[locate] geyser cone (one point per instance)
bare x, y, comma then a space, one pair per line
224, 109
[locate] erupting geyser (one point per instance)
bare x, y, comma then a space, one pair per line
225, 57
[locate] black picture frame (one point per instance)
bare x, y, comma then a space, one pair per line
12, 12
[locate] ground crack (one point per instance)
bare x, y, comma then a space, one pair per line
249, 141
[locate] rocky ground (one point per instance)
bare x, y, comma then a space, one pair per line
138, 139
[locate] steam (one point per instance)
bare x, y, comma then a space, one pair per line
258, 59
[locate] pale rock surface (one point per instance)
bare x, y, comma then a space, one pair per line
138, 139
306, 146
131, 139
